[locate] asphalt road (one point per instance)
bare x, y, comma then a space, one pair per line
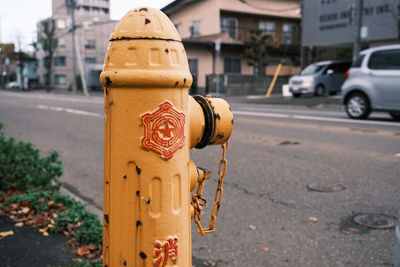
268, 216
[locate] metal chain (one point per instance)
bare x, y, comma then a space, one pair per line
198, 202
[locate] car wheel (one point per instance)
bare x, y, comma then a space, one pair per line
357, 106
296, 95
395, 115
319, 90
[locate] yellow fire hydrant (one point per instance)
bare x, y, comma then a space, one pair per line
150, 124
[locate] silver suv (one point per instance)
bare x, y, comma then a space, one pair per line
373, 83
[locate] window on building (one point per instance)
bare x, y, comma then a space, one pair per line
95, 10
59, 61
267, 27
61, 24
90, 44
232, 65
105, 10
176, 27
61, 43
230, 25
90, 60
195, 28
193, 66
60, 79
289, 33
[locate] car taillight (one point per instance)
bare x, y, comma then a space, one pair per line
347, 74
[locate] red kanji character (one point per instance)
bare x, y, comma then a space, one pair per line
166, 251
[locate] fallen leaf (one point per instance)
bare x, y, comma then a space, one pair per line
20, 220
45, 233
25, 210
77, 260
252, 227
25, 204
51, 203
211, 263
352, 229
4, 234
83, 251
91, 255
42, 230
91, 247
20, 224
313, 219
14, 206
266, 249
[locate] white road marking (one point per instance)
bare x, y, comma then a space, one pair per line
291, 110
271, 115
40, 96
314, 118
70, 110
397, 155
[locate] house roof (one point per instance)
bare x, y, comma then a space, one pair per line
276, 8
176, 5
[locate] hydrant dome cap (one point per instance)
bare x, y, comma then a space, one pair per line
146, 23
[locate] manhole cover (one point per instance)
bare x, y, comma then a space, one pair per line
326, 187
376, 221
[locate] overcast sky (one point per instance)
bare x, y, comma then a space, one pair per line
18, 18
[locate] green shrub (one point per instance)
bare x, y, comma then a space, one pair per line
22, 168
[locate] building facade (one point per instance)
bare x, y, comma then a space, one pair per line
93, 29
215, 33
330, 27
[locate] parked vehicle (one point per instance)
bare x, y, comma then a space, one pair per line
319, 78
12, 85
373, 83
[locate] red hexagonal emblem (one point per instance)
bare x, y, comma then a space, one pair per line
164, 130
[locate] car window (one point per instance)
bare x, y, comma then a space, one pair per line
385, 60
312, 69
343, 67
357, 63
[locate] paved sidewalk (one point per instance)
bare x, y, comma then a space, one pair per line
28, 247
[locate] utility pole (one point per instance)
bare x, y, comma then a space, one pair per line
359, 15
76, 53
0, 31
71, 5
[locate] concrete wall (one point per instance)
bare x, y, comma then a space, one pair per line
205, 63
232, 84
